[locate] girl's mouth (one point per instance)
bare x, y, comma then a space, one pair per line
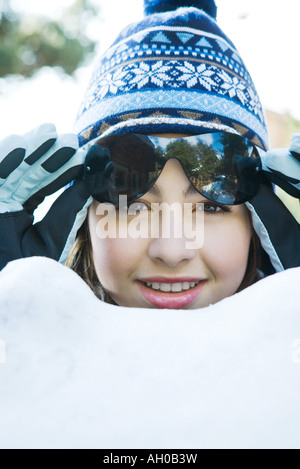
171, 293
171, 287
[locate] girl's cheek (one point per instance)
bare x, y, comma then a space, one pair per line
108, 255
116, 259
112, 246
226, 249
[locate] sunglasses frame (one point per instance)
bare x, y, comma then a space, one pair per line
98, 155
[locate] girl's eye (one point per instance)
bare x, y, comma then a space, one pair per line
137, 207
215, 208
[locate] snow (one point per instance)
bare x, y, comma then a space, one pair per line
83, 374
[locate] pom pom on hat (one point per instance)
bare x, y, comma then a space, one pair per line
159, 6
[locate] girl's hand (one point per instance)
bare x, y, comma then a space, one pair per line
32, 167
278, 230
282, 167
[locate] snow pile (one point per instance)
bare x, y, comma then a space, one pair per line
83, 374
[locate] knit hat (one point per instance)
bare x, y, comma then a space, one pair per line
173, 72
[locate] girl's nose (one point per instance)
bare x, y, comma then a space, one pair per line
171, 251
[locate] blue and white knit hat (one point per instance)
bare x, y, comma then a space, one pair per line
173, 72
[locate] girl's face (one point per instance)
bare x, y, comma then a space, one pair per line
164, 272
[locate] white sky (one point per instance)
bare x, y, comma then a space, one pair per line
267, 40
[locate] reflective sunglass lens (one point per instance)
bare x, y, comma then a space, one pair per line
221, 166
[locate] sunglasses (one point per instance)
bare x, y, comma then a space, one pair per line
223, 167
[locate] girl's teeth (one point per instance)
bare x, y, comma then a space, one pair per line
172, 287
165, 287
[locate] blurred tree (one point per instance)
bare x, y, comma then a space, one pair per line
199, 161
29, 43
208, 163
184, 152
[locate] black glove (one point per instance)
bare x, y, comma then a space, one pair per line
32, 167
282, 167
278, 230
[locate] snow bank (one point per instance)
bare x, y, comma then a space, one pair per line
83, 374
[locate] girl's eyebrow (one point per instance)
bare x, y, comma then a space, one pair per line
190, 191
154, 190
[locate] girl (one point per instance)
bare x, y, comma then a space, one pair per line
171, 115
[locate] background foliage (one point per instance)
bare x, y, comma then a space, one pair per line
28, 43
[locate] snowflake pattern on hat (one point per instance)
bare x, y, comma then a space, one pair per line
165, 60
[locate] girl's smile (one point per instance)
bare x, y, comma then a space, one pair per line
171, 293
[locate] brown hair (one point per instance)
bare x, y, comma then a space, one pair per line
81, 261
252, 274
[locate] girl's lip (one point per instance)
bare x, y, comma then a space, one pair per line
163, 300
